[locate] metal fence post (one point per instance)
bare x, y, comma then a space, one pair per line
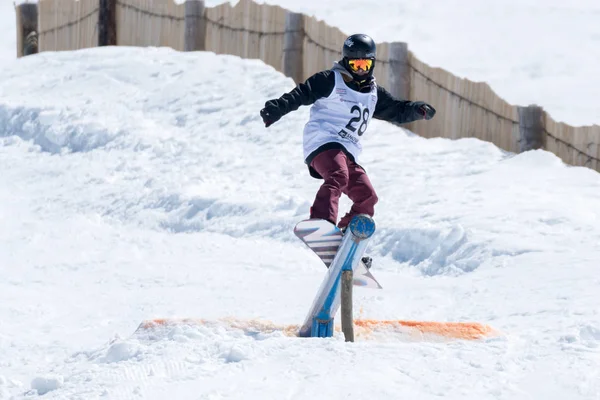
293, 47
195, 26
107, 23
399, 71
27, 29
532, 131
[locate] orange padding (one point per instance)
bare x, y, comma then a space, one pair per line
245, 325
458, 330
364, 327
167, 321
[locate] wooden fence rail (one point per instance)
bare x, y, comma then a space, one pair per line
298, 46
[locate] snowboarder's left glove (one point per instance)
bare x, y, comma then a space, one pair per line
270, 114
425, 110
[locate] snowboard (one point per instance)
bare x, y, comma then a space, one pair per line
324, 238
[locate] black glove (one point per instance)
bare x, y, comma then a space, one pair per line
270, 114
423, 109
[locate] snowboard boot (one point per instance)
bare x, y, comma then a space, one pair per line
367, 261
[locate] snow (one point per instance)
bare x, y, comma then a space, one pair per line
135, 188
43, 385
141, 183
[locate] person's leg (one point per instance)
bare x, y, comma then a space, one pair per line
333, 167
361, 192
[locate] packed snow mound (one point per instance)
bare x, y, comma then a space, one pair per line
178, 145
150, 115
155, 98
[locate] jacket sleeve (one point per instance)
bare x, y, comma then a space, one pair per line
317, 86
391, 109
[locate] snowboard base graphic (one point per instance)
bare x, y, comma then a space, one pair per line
324, 238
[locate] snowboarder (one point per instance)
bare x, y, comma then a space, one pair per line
344, 99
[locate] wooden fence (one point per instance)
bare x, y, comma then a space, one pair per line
299, 46
150, 23
67, 24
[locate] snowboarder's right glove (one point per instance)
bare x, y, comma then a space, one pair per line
270, 114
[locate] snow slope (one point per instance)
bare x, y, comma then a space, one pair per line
141, 183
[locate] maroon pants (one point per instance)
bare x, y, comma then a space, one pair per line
341, 175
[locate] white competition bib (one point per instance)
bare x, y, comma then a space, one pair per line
343, 117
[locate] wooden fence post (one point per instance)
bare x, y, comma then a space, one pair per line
107, 23
27, 27
399, 71
293, 47
532, 130
195, 26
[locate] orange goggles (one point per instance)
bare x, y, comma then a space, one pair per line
360, 63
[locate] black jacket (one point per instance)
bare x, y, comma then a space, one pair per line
321, 84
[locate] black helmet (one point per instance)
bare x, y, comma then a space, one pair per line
356, 46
